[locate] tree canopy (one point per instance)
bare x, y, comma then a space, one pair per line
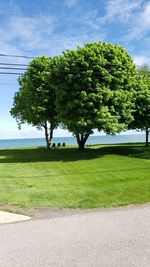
35, 102
142, 101
96, 86
94, 89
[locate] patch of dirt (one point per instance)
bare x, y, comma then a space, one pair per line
43, 213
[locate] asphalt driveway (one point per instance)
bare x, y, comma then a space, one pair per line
116, 237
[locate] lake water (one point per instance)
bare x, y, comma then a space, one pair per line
101, 139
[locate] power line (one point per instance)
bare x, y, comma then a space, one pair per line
13, 64
1, 81
81, 70
10, 68
139, 77
11, 73
126, 79
8, 84
72, 61
19, 56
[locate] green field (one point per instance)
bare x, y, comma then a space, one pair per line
102, 176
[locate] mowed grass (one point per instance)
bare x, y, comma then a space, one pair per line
102, 176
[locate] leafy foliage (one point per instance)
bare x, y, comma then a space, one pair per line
142, 101
94, 89
34, 103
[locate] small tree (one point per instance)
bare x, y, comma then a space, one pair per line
94, 89
34, 103
142, 102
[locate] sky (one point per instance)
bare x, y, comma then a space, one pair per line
34, 28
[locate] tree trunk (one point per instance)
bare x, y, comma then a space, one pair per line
81, 140
51, 133
147, 134
46, 135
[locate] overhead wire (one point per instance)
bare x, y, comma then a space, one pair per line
79, 61
5, 66
71, 61
139, 77
11, 73
19, 56
13, 64
10, 68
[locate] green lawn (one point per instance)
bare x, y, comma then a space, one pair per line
102, 176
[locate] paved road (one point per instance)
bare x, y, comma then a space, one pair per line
118, 237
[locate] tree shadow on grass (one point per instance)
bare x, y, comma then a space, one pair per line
133, 151
71, 154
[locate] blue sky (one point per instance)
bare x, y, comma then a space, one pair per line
48, 27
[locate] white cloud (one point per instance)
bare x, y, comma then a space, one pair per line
140, 24
6, 47
9, 7
27, 33
141, 60
37, 34
71, 3
40, 33
77, 38
121, 9
14, 134
29, 132
115, 10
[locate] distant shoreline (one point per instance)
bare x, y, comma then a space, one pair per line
102, 135
92, 140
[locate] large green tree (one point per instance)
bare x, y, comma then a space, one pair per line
142, 102
94, 89
35, 102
